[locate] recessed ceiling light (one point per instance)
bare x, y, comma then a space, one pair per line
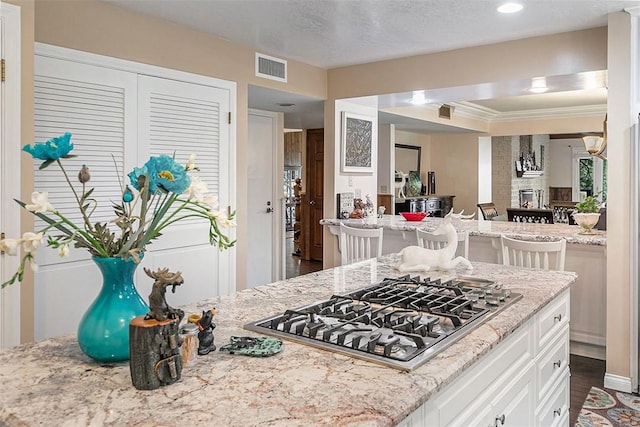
510, 8
418, 98
538, 85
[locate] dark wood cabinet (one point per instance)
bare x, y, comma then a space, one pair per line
437, 206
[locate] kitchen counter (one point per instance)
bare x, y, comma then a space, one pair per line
520, 230
586, 255
53, 381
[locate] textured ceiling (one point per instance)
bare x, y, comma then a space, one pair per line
334, 33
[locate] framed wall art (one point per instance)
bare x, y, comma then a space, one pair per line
357, 145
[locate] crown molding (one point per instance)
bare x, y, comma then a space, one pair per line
474, 111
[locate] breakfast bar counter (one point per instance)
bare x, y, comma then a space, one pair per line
52, 381
519, 230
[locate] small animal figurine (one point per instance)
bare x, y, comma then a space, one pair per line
400, 185
358, 209
205, 336
160, 310
416, 258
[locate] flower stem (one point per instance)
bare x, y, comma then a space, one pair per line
87, 223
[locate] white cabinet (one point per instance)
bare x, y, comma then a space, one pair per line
120, 113
524, 381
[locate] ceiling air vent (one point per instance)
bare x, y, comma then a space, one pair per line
272, 68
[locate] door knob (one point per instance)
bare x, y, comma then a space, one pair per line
312, 202
269, 209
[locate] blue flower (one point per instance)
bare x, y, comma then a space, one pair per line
164, 174
53, 149
138, 176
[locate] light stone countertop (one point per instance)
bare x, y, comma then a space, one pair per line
519, 230
53, 382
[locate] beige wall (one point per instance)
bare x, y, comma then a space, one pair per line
455, 162
620, 106
556, 54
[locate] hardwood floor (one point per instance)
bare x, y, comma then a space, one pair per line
296, 266
585, 373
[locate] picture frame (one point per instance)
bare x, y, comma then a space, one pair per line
518, 166
357, 143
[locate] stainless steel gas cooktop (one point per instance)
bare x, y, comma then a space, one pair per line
399, 322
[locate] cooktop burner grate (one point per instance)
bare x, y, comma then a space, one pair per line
400, 322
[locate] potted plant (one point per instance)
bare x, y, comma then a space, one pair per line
587, 213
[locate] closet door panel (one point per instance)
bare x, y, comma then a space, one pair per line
98, 106
179, 119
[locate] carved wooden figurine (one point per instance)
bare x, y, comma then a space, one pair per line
205, 336
160, 310
154, 339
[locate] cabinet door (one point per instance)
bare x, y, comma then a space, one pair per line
98, 107
118, 119
179, 119
515, 404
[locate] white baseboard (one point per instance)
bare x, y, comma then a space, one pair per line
617, 382
588, 350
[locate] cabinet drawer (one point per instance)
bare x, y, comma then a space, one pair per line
553, 412
552, 362
552, 319
468, 394
433, 204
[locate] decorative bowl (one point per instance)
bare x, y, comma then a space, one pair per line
586, 221
413, 216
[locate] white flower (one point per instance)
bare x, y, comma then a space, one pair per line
191, 164
63, 251
40, 203
197, 189
10, 246
211, 201
226, 222
33, 265
222, 219
31, 241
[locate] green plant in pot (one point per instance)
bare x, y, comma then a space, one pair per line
587, 213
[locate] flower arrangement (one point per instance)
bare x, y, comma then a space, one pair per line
161, 193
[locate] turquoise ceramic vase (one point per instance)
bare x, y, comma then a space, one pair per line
103, 333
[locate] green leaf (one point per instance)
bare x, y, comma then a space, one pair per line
45, 164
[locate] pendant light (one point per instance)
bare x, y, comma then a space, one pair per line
595, 145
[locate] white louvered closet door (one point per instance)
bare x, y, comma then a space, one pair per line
98, 107
117, 120
178, 119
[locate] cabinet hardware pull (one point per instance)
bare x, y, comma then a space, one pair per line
558, 363
500, 419
557, 412
558, 317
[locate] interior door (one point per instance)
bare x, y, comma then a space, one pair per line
10, 141
315, 191
264, 206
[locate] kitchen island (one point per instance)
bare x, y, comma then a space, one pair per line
586, 255
52, 381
